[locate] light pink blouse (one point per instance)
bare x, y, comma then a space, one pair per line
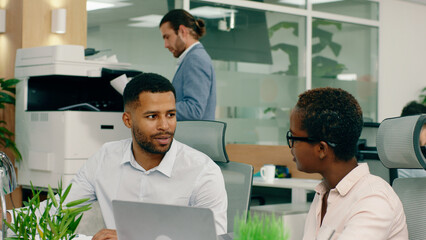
362, 206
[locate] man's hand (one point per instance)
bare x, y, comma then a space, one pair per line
105, 234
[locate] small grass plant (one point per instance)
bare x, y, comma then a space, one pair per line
58, 221
259, 227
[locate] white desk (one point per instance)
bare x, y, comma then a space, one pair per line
299, 187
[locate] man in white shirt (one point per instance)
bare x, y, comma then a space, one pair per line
349, 203
151, 166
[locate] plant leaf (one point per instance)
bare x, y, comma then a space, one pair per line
286, 25
52, 195
292, 52
77, 202
73, 226
335, 47
66, 193
51, 225
7, 98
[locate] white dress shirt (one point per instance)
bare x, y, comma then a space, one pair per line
185, 177
361, 206
182, 56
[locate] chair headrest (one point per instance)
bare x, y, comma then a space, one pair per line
398, 142
205, 136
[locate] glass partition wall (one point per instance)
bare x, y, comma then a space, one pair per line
259, 51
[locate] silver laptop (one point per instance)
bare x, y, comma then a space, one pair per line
149, 221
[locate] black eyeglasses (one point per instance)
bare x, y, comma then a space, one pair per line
291, 139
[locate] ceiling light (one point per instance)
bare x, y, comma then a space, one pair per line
148, 18
347, 77
212, 12
97, 5
143, 24
303, 2
150, 21
92, 5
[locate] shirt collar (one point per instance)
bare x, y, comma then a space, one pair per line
346, 184
165, 166
182, 56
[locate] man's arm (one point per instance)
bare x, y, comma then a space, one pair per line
83, 181
210, 193
197, 74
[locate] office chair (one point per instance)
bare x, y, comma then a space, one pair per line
367, 152
209, 137
398, 147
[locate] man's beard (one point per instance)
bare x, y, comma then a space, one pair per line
179, 47
146, 143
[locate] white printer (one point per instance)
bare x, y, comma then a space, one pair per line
65, 110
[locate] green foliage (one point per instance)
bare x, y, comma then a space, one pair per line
423, 96
56, 222
278, 26
321, 66
263, 227
7, 94
325, 67
291, 50
325, 40
292, 53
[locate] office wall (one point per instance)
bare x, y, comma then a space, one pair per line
28, 25
142, 47
402, 56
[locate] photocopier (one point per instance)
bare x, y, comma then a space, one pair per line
65, 110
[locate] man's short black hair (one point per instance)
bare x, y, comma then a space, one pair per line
413, 108
332, 115
146, 82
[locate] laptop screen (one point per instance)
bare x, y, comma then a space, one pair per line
140, 220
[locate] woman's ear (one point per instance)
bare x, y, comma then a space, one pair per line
127, 119
323, 149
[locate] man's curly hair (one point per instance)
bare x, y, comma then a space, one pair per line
332, 115
413, 108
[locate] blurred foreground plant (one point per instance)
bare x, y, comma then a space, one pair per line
56, 222
263, 227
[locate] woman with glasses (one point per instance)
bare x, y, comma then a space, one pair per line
349, 203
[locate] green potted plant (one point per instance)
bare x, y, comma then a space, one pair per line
7, 96
260, 227
58, 221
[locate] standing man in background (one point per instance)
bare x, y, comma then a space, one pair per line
194, 80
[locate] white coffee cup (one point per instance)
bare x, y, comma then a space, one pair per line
268, 172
